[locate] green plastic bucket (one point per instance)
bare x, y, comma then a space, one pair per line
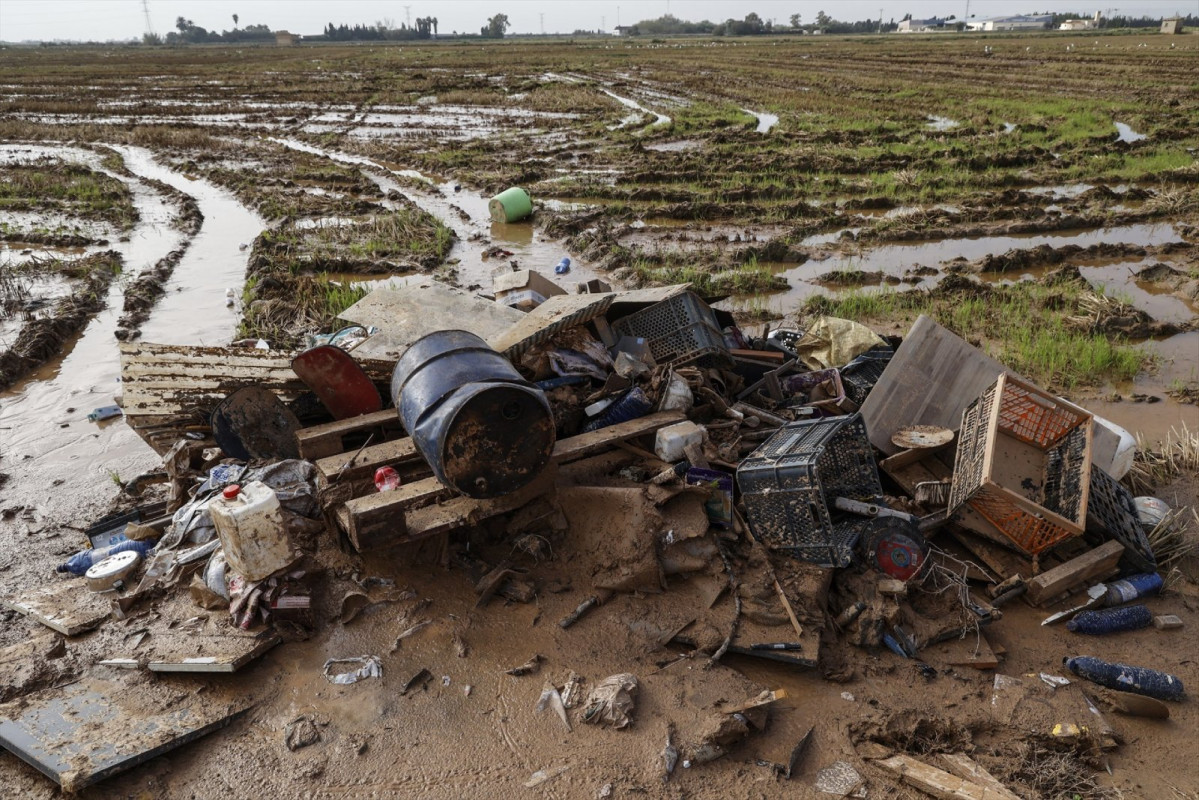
510, 205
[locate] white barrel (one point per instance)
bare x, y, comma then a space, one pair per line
253, 535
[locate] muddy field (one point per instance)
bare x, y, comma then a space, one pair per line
1041, 200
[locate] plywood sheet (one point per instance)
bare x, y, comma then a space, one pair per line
405, 315
68, 607
185, 652
86, 731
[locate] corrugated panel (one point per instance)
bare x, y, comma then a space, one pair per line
558, 313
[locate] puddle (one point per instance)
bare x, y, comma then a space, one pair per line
895, 259
659, 119
1153, 422
1127, 135
936, 123
681, 146
766, 121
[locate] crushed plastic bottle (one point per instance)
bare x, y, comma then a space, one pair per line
79, 563
1111, 620
563, 267
1127, 678
632, 406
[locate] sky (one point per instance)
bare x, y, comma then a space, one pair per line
103, 20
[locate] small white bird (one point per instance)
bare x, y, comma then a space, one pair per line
229, 297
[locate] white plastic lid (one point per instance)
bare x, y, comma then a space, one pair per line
101, 576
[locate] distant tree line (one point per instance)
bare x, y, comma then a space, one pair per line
425, 28
188, 32
754, 25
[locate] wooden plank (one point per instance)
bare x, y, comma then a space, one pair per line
585, 444
377, 519
1000, 560
321, 441
765, 356
936, 782
1076, 571
68, 607
364, 464
965, 767
970, 651
914, 456
463, 512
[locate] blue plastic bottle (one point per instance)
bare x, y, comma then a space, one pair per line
1126, 678
563, 267
1111, 620
84, 559
1132, 587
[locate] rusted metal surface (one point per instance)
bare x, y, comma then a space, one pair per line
483, 429
338, 381
253, 423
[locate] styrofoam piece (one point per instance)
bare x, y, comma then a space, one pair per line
670, 441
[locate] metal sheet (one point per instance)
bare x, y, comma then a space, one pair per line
558, 313
84, 732
338, 381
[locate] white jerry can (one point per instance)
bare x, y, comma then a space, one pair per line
250, 525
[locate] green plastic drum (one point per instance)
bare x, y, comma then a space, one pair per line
510, 205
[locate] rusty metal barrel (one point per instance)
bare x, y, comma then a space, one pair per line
484, 429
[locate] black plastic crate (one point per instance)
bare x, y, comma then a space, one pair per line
791, 482
1112, 514
680, 330
860, 375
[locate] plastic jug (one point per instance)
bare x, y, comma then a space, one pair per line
250, 525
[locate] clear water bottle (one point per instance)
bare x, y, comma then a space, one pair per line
84, 559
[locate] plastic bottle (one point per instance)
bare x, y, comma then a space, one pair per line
84, 559
632, 406
386, 479
1111, 620
1126, 678
1131, 588
563, 267
250, 525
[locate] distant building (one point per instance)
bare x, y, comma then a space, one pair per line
1019, 23
1172, 25
285, 39
1081, 24
626, 30
933, 25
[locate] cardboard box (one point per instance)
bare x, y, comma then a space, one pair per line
524, 289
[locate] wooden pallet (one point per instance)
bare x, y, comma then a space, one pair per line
322, 441
374, 520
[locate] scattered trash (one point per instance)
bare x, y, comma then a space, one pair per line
1111, 620
84, 560
839, 779
562, 267
611, 702
1054, 681
1166, 622
551, 699
369, 667
387, 479
510, 205
249, 522
542, 775
528, 668
418, 680
111, 573
1137, 680
104, 412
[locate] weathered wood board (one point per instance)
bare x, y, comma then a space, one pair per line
68, 607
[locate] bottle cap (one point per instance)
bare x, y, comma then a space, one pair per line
231, 491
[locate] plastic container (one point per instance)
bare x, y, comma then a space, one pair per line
112, 571
562, 267
1112, 514
671, 441
1126, 678
510, 205
633, 405
791, 482
483, 429
249, 522
1150, 511
387, 479
1131, 588
678, 396
719, 505
82, 561
679, 330
1111, 620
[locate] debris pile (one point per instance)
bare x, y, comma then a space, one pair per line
791, 494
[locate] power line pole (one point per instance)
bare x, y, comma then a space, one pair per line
603, 24
880, 20
146, 11
408, 16
542, 23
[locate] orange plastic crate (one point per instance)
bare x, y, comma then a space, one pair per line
1024, 463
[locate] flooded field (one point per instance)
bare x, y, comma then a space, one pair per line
207, 195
